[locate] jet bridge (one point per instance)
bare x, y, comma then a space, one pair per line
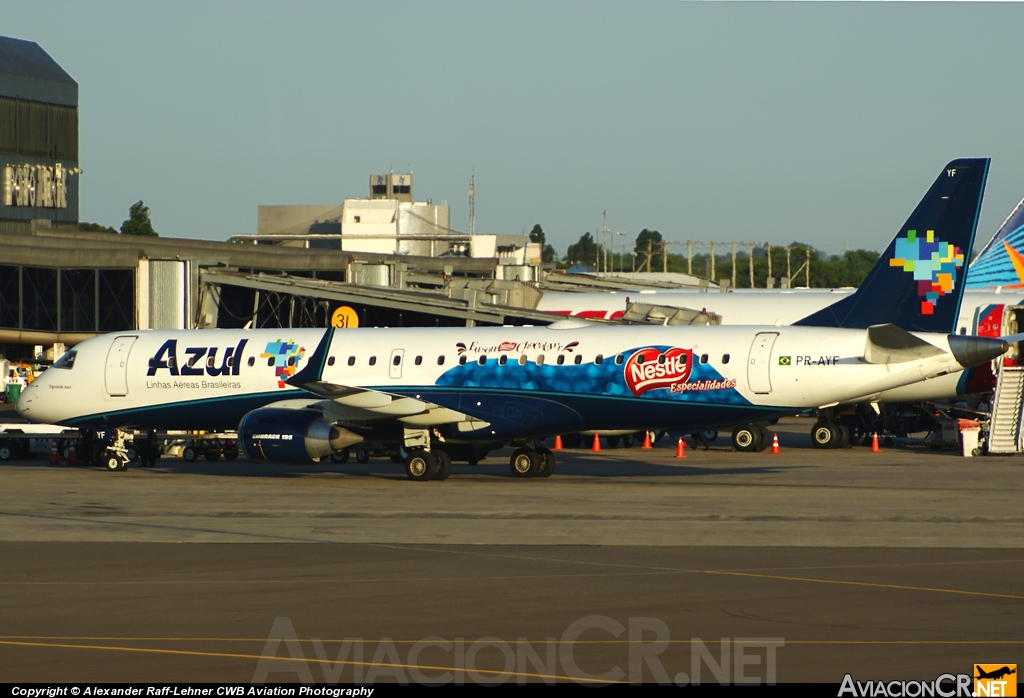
645, 313
237, 299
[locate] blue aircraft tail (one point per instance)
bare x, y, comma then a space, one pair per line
1000, 263
917, 283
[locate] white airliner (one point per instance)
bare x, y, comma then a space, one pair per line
295, 395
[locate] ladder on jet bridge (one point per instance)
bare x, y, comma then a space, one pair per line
1005, 432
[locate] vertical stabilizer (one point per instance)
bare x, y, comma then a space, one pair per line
917, 284
1001, 262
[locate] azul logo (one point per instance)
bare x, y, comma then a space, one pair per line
227, 365
650, 369
284, 357
933, 263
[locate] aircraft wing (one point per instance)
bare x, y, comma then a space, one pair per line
351, 404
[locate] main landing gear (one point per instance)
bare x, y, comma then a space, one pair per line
828, 434
532, 462
750, 437
421, 464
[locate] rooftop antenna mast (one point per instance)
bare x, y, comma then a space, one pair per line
472, 202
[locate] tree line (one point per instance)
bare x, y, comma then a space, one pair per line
137, 223
649, 253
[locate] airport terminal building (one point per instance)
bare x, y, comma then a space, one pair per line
38, 139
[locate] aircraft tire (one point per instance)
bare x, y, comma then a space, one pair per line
525, 462
444, 465
420, 465
189, 454
745, 438
363, 456
114, 462
763, 440
825, 435
341, 456
547, 462
844, 436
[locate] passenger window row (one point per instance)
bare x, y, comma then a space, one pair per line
482, 359
502, 360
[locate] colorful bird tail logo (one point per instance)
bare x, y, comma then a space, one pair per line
284, 357
933, 263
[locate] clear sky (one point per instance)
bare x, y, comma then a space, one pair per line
817, 122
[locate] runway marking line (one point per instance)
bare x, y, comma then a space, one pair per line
877, 585
735, 573
227, 655
19, 640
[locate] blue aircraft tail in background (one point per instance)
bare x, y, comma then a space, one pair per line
918, 282
1000, 263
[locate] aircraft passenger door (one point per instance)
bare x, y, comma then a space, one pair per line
116, 376
395, 368
759, 363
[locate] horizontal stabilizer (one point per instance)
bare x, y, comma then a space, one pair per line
888, 344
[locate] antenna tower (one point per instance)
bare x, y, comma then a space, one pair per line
472, 203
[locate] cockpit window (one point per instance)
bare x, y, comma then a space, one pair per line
67, 361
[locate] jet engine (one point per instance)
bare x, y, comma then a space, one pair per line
282, 435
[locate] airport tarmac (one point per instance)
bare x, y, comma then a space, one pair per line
903, 564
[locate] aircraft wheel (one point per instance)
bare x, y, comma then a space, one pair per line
844, 436
114, 462
745, 438
763, 440
189, 454
444, 465
363, 455
419, 465
341, 456
525, 462
825, 435
547, 462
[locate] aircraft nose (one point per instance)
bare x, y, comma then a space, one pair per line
24, 404
974, 351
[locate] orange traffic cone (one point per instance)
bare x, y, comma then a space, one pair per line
647, 440
874, 442
775, 444
558, 443
596, 448
54, 456
681, 448
72, 456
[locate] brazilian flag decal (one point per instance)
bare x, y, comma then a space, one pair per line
784, 361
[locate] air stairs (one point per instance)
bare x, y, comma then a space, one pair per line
1005, 429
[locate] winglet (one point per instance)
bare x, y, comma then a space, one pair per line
314, 368
917, 283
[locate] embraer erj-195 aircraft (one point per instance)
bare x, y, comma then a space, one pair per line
300, 394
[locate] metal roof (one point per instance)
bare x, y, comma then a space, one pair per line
28, 72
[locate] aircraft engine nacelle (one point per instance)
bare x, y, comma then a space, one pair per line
281, 435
